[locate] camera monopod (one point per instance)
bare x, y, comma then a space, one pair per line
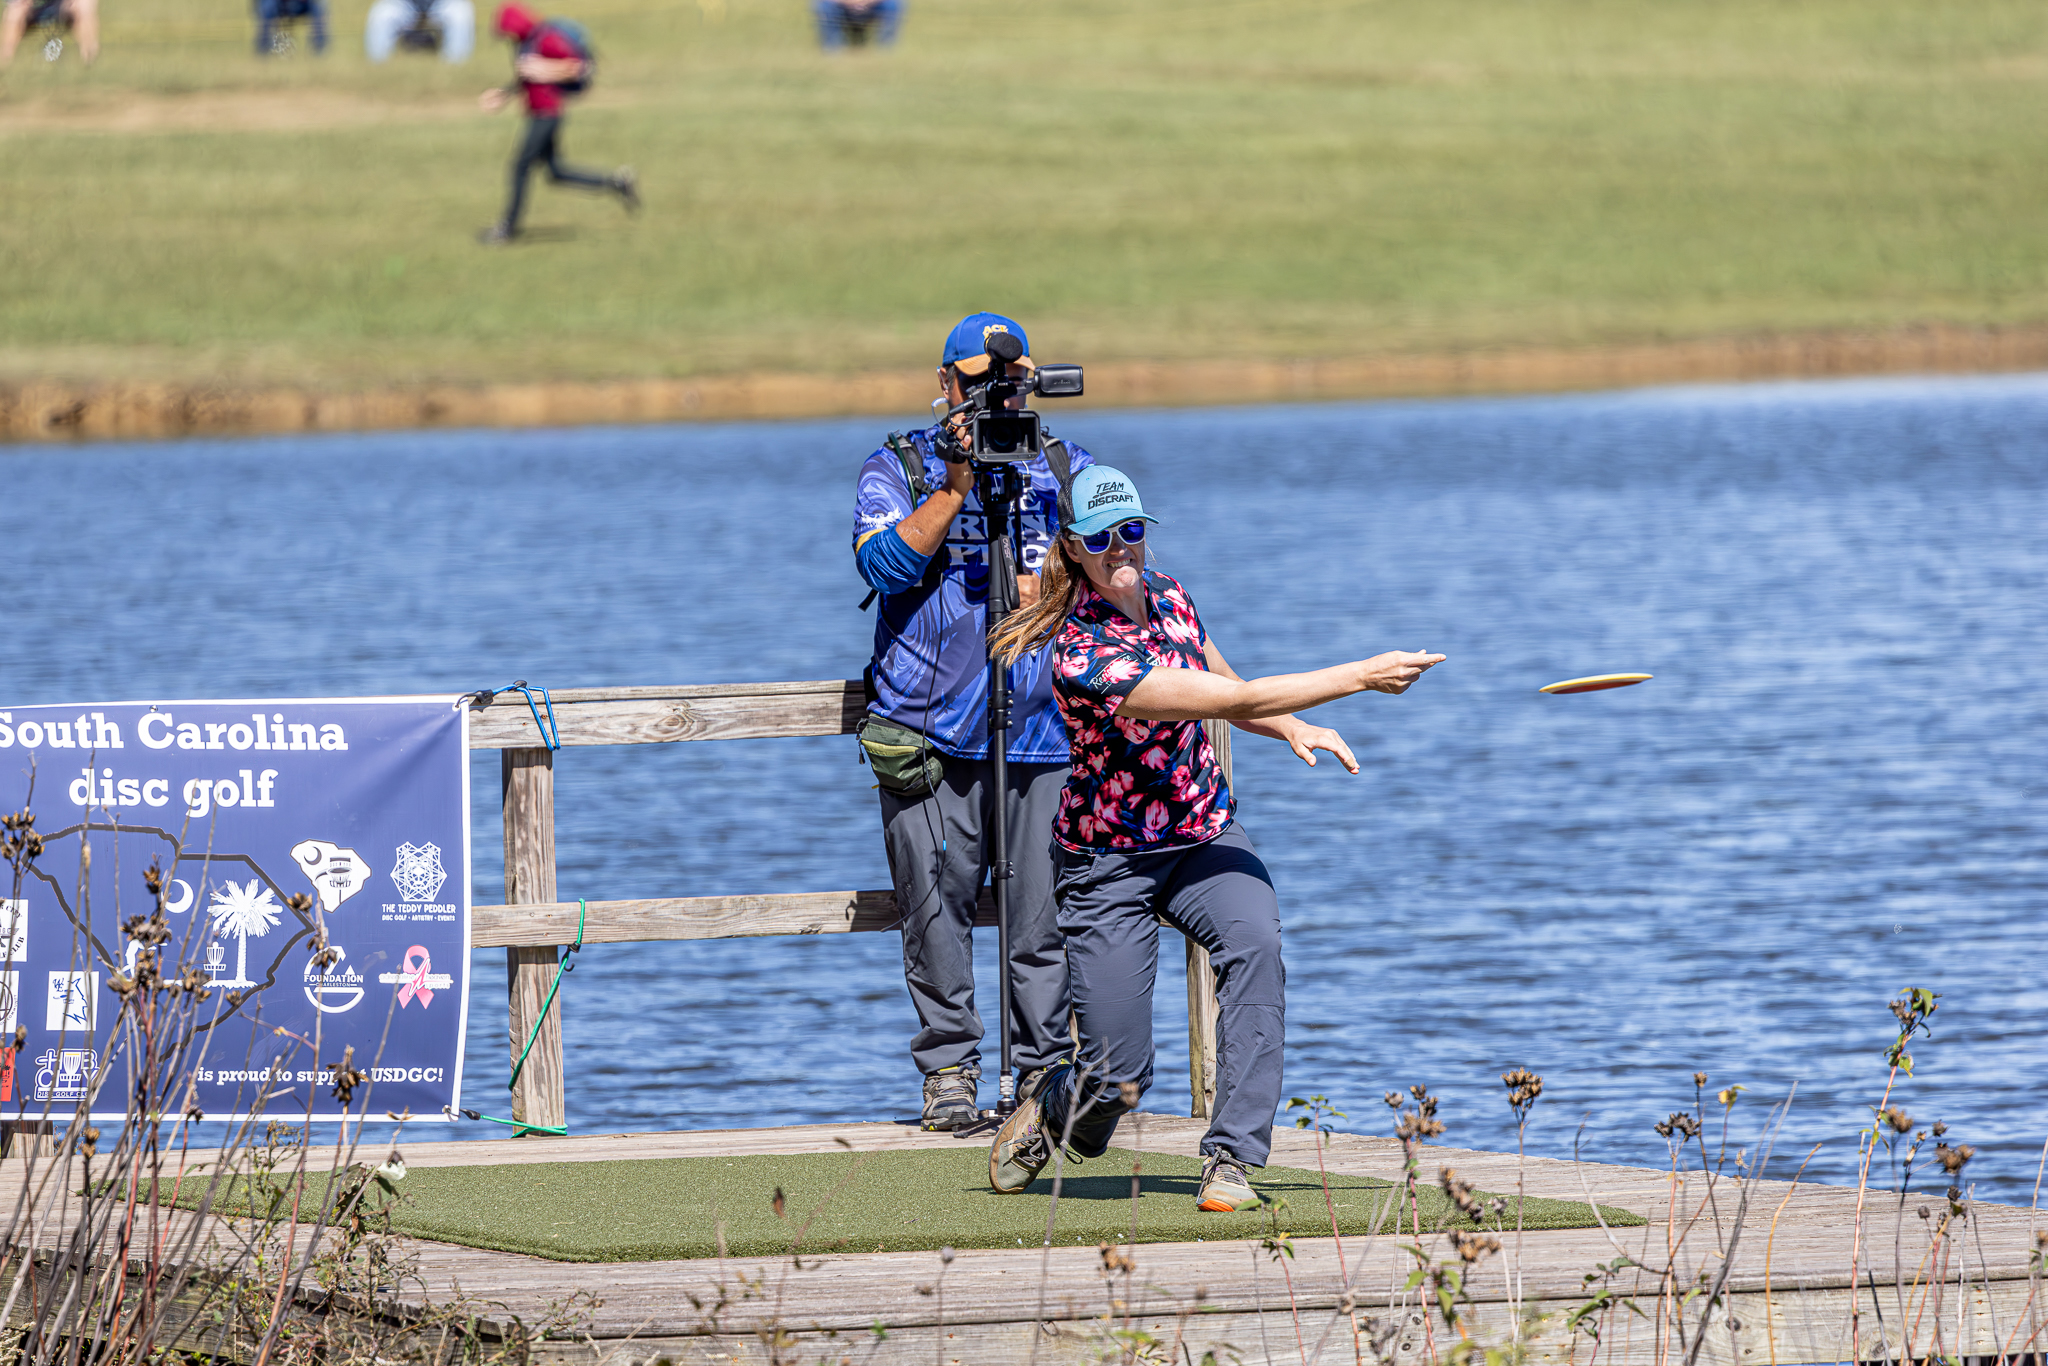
1003, 438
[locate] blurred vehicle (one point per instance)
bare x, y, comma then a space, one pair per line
444, 26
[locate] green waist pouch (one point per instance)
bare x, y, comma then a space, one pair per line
904, 761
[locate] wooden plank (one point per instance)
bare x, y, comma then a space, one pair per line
697, 917
529, 794
644, 716
994, 1286
1806, 1326
1798, 1238
693, 917
1202, 982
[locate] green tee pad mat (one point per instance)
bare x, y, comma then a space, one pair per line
904, 1200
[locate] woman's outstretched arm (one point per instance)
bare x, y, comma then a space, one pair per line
1192, 695
1298, 735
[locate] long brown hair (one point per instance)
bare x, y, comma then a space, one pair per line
1059, 584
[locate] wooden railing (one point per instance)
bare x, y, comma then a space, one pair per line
532, 925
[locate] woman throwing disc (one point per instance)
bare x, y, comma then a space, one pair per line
1145, 828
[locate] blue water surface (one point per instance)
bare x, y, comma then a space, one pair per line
1831, 791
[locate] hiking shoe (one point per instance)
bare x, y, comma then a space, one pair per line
949, 1099
496, 235
626, 185
1225, 1187
1032, 1082
1021, 1149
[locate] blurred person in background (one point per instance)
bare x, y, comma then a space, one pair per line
81, 17
447, 26
273, 21
853, 23
553, 62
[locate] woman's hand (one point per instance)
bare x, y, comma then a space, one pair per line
1306, 740
1396, 670
494, 99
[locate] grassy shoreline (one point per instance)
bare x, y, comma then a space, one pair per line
53, 411
1275, 180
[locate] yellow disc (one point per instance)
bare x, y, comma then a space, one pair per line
1597, 683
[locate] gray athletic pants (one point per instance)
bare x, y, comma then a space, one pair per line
1219, 894
938, 858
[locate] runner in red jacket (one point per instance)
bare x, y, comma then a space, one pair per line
550, 65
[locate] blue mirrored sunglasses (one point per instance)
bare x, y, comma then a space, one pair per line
1130, 533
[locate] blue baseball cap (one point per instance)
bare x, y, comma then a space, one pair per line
967, 343
1103, 497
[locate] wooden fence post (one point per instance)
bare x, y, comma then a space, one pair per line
529, 793
1202, 984
28, 1138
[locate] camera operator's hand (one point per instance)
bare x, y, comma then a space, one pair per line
1396, 671
924, 530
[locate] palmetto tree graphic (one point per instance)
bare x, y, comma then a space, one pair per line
242, 911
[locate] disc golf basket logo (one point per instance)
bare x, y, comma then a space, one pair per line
66, 1074
336, 873
419, 873
240, 911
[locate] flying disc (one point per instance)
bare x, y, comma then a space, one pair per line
1597, 683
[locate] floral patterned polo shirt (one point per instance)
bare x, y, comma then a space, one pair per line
1136, 785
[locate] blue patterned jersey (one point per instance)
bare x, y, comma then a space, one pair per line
931, 642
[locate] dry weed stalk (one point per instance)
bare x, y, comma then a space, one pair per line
1913, 1010
121, 1248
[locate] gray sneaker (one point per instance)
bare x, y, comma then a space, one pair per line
949, 1099
1225, 1187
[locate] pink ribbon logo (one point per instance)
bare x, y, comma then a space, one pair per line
415, 978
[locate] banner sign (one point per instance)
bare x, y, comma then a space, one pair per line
360, 806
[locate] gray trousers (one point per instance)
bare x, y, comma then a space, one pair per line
938, 858
1219, 894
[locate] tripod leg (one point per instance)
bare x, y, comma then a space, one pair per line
998, 494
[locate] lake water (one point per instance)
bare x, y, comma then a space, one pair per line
1832, 790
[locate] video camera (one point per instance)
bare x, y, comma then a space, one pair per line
1002, 435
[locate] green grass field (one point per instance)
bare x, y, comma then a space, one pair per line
1134, 178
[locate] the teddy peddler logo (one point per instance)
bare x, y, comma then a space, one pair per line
419, 873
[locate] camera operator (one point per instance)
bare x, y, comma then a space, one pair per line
921, 541
1147, 828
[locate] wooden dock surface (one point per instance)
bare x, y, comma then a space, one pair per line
1784, 1268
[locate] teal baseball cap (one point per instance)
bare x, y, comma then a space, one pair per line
967, 343
1104, 497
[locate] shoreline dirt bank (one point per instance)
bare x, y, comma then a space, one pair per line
55, 411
